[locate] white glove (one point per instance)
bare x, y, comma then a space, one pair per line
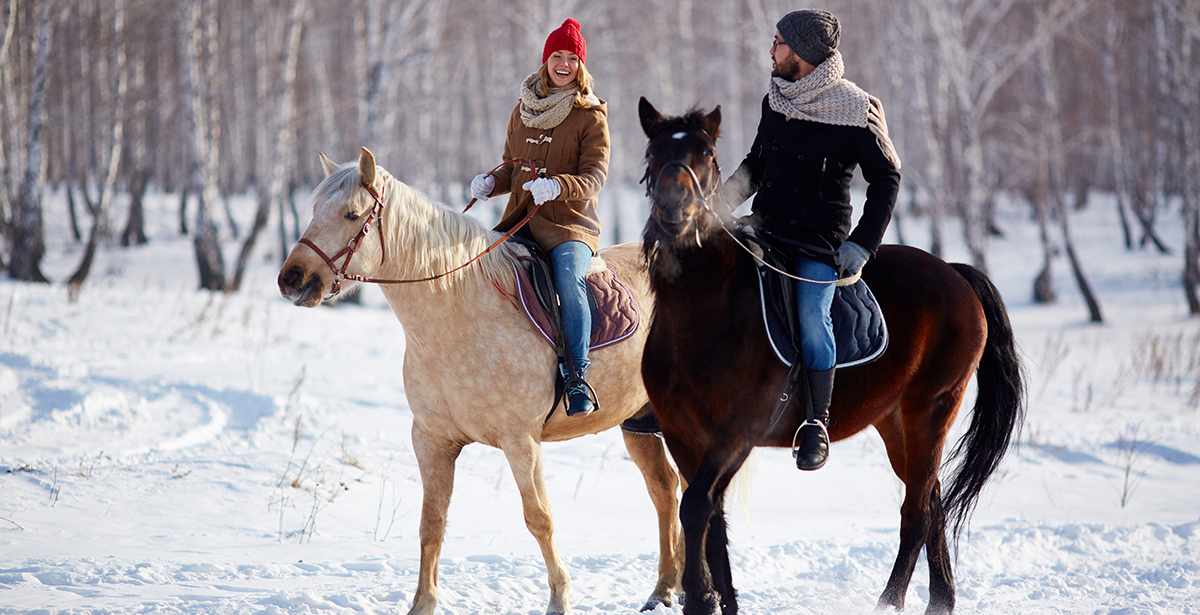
482, 186
543, 189
851, 257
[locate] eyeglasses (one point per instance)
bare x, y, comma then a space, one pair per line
776, 43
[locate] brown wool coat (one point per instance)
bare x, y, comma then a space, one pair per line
576, 154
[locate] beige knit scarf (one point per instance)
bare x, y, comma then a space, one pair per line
545, 112
824, 96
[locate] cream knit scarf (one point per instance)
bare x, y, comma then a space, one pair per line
546, 112
824, 96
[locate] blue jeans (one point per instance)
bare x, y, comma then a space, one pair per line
570, 261
813, 302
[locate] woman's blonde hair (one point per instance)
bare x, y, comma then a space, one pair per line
583, 81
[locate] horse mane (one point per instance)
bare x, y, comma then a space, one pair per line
424, 237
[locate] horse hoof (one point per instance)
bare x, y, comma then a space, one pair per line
703, 604
654, 603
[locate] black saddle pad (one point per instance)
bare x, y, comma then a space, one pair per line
859, 331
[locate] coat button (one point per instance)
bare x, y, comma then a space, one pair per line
793, 222
796, 190
774, 148
800, 157
769, 184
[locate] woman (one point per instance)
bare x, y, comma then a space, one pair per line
560, 124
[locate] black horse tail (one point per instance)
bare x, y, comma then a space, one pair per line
999, 406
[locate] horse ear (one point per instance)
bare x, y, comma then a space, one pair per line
712, 123
648, 114
328, 165
366, 167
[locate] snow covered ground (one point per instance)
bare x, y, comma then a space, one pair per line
164, 450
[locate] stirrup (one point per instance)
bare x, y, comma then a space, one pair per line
796, 449
579, 386
796, 436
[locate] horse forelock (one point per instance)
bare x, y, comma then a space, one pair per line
691, 122
423, 237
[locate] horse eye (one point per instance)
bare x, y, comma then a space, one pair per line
351, 216
708, 153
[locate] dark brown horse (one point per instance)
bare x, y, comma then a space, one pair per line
714, 381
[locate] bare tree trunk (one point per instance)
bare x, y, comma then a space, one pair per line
1054, 139
135, 228
207, 245
184, 191
1116, 151
108, 188
28, 234
286, 136
1189, 102
1043, 284
78, 236
6, 188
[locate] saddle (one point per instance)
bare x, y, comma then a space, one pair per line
615, 314
859, 330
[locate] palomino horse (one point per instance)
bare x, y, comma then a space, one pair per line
714, 381
475, 369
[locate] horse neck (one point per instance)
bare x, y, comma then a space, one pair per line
716, 269
425, 239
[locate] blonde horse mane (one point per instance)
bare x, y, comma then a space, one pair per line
423, 237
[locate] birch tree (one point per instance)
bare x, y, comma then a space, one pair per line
1116, 152
977, 63
1187, 13
6, 190
28, 241
284, 140
116, 140
209, 260
1053, 172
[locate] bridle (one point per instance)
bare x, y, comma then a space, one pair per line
706, 200
376, 217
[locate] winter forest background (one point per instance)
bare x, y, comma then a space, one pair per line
1047, 100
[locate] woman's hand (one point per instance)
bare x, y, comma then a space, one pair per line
543, 189
482, 186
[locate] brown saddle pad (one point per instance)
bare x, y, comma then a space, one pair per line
615, 319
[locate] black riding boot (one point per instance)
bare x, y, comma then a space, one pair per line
812, 451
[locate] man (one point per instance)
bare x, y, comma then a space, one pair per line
816, 128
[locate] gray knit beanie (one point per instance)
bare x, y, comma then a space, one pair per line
811, 34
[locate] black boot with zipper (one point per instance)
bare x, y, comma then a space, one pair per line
812, 449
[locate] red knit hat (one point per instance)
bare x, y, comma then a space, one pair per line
567, 37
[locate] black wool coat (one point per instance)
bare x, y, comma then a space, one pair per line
799, 173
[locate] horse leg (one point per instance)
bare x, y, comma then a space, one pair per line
707, 575
662, 481
435, 458
937, 553
717, 550
915, 450
525, 460
695, 514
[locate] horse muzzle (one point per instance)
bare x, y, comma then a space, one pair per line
301, 290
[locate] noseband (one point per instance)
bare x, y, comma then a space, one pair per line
375, 217
656, 210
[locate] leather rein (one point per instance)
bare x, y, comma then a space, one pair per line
376, 217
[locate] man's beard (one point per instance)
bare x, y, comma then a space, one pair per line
788, 69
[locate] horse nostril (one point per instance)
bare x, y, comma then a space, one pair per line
291, 278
